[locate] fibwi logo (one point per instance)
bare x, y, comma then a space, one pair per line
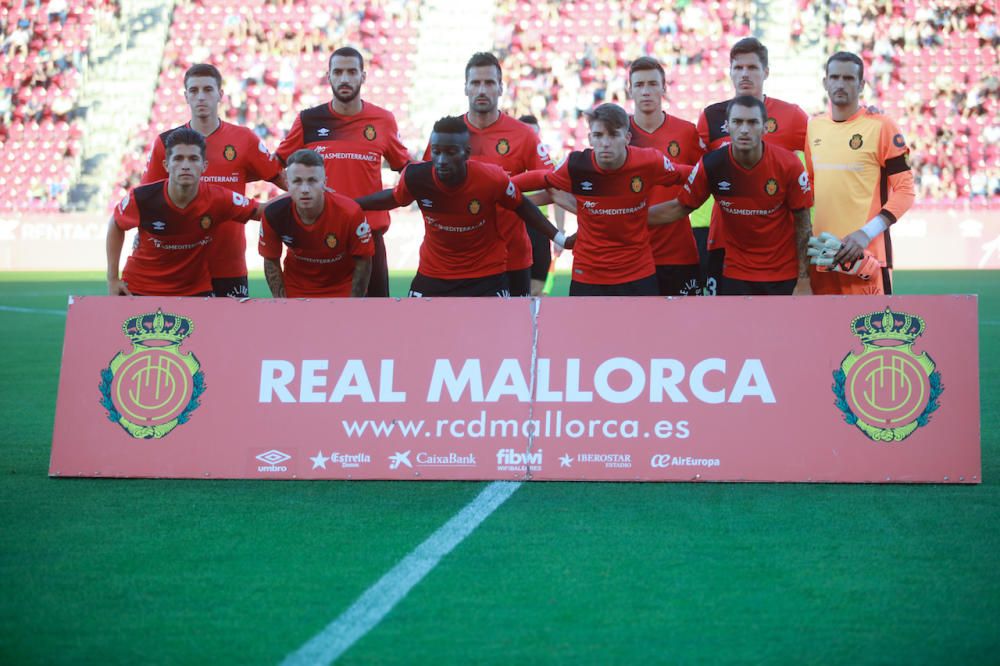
509, 460
888, 390
154, 388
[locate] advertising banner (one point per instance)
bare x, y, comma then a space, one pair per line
858, 389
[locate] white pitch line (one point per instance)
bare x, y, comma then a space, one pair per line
365, 613
11, 308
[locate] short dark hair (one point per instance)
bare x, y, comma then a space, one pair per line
347, 52
846, 56
484, 59
203, 69
305, 157
749, 45
451, 125
612, 115
644, 64
750, 102
184, 136
529, 119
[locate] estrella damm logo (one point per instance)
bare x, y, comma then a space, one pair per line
674, 149
888, 390
229, 152
856, 141
205, 222
370, 133
503, 147
636, 184
475, 206
154, 388
771, 125
331, 241
771, 186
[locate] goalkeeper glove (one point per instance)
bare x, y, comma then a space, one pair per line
824, 248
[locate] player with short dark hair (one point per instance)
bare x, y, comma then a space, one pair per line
498, 138
785, 126
177, 220
329, 242
764, 196
612, 182
353, 136
464, 252
674, 249
235, 156
541, 249
859, 163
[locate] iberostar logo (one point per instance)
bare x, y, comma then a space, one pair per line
887, 390
152, 389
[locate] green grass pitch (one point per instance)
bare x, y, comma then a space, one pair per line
244, 572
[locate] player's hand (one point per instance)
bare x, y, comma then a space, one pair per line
570, 242
118, 287
852, 248
802, 287
822, 249
557, 250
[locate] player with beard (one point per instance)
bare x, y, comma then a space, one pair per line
464, 252
235, 156
353, 137
177, 220
785, 126
764, 196
674, 249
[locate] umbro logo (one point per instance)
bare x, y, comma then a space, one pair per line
287, 240
426, 203
398, 459
322, 131
725, 186
586, 186
159, 225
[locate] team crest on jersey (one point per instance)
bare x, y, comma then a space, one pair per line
856, 142
674, 149
771, 186
205, 222
636, 184
331, 241
475, 206
154, 388
888, 390
771, 125
229, 152
503, 147
370, 133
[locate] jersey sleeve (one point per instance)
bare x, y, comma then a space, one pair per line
800, 193
532, 181
268, 243
697, 145
396, 153
127, 212
261, 164
668, 173
894, 156
809, 162
539, 157
695, 190
508, 195
360, 244
292, 142
236, 207
154, 164
401, 193
702, 129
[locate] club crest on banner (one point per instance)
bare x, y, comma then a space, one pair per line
153, 388
888, 390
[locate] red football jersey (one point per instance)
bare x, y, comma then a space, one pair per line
170, 255
673, 244
756, 209
786, 127
236, 156
352, 148
612, 242
319, 261
463, 237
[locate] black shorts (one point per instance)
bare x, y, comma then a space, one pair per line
490, 285
642, 287
236, 287
732, 287
519, 282
679, 280
378, 284
541, 254
713, 272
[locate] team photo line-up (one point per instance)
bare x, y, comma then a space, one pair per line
801, 205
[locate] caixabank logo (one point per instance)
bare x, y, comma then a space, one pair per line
888, 390
153, 388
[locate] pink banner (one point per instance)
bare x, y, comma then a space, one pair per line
862, 389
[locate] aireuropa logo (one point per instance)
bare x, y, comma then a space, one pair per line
154, 388
660, 460
397, 459
272, 461
888, 390
509, 460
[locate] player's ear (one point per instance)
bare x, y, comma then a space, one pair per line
364, 76
767, 72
